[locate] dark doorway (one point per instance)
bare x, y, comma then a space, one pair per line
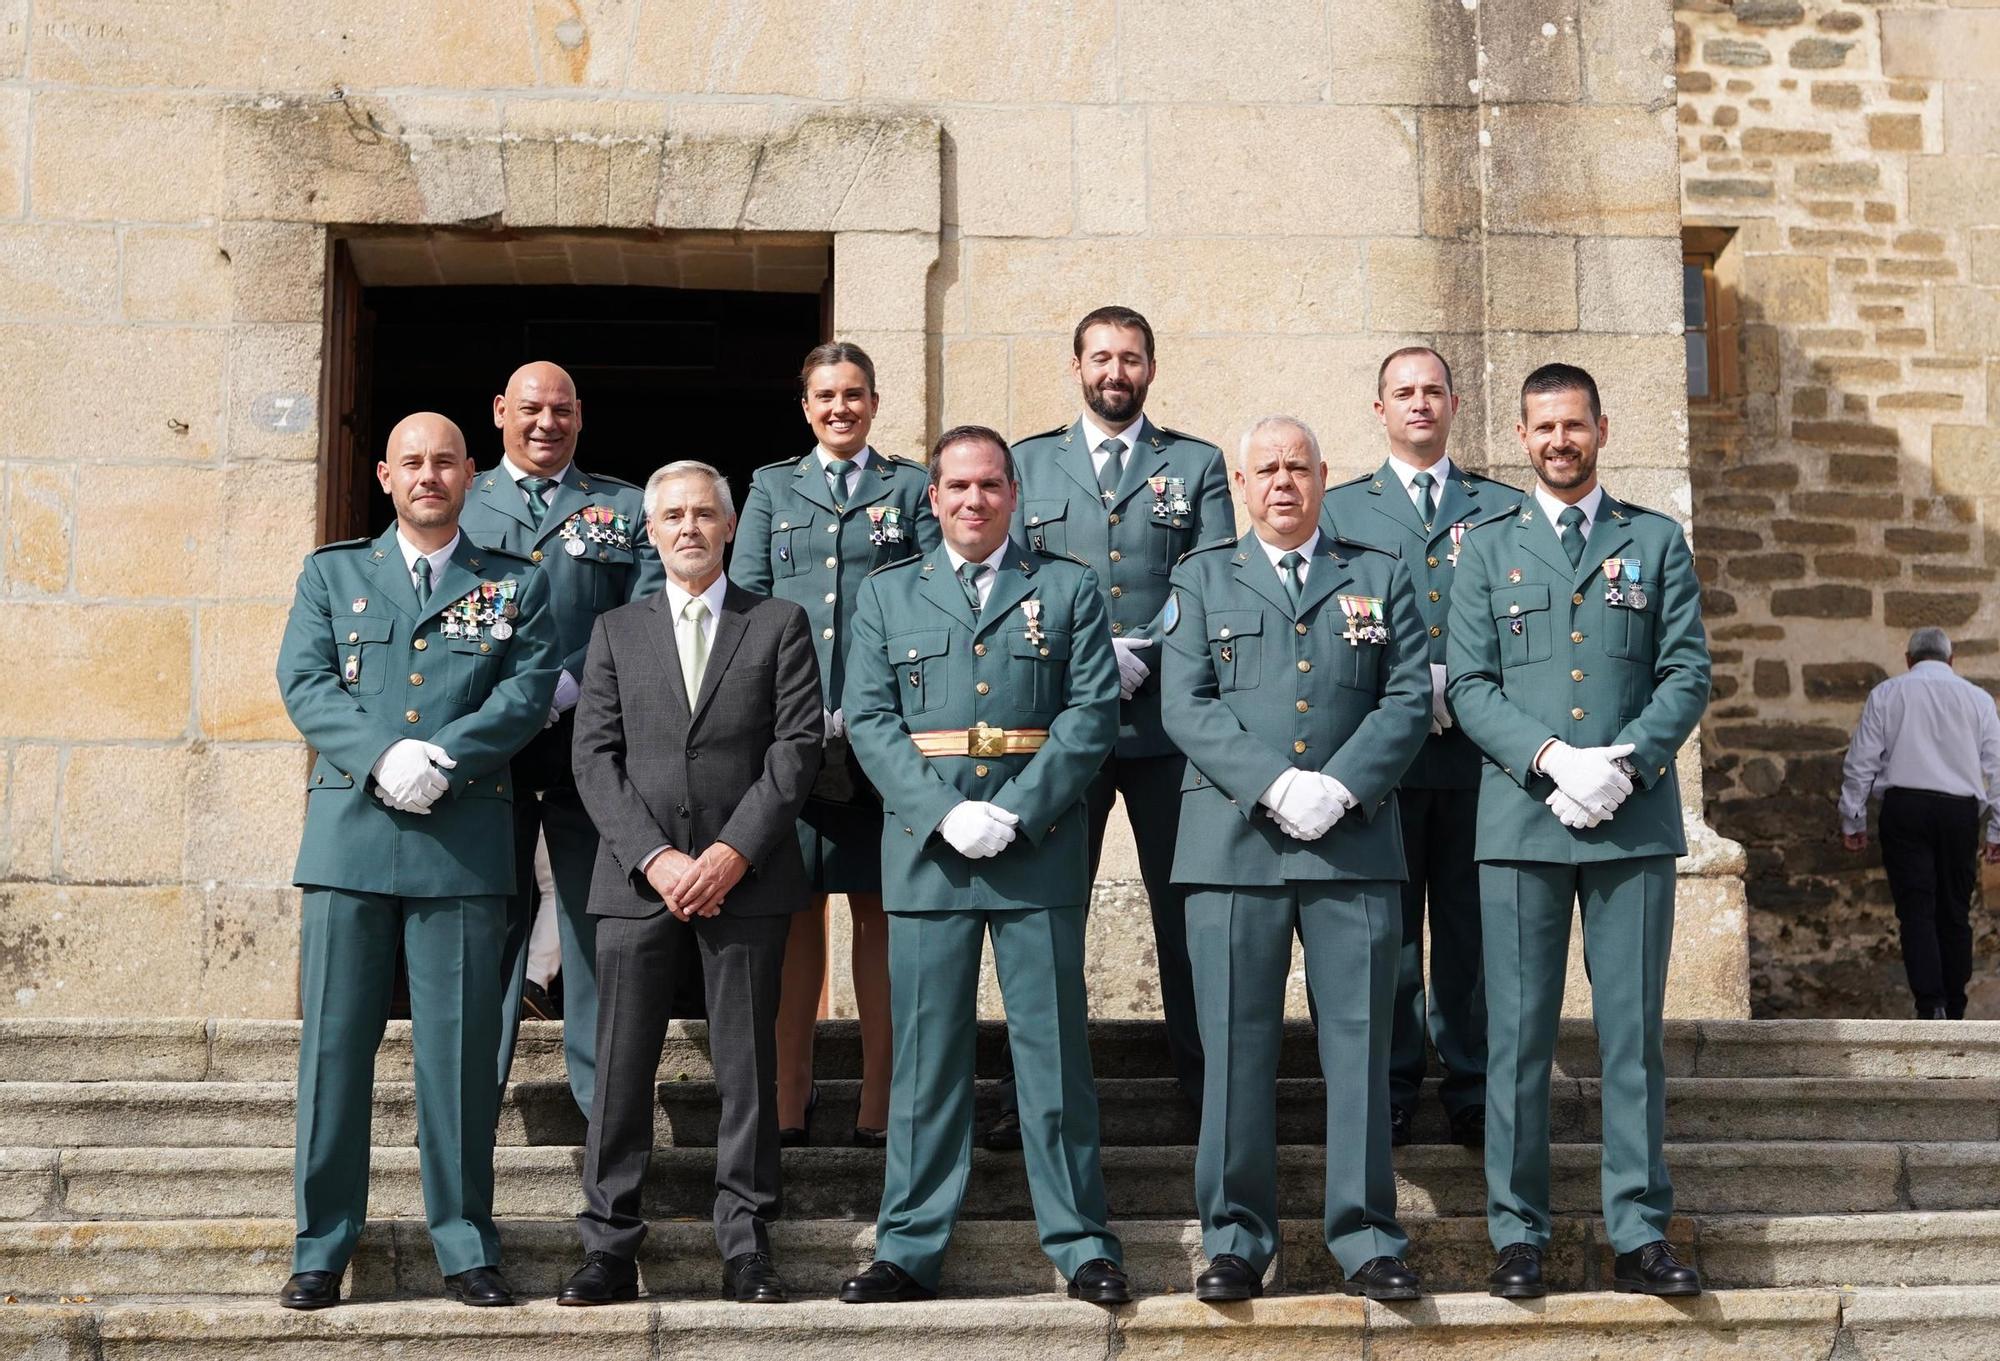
663, 373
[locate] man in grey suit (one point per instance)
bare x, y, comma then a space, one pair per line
697, 738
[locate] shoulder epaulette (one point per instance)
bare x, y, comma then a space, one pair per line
899, 562
1191, 439
1631, 507
609, 480
908, 463
344, 543
1045, 434
1356, 546
1208, 547
1353, 481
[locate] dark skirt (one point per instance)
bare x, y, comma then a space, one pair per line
840, 827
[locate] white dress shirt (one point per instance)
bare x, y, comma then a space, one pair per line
677, 600
1094, 436
1406, 473
548, 492
1554, 508
438, 559
1928, 728
860, 461
1304, 550
983, 583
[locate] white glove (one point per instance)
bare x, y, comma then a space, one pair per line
1572, 814
407, 776
977, 829
835, 721
1132, 672
567, 692
1589, 774
1440, 716
1305, 804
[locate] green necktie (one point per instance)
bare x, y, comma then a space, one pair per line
693, 646
423, 581
836, 480
1114, 467
1289, 565
1571, 533
968, 577
1426, 507
533, 487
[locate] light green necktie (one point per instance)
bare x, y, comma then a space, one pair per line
533, 487
837, 470
968, 578
423, 581
1290, 565
1426, 507
1108, 475
693, 646
1571, 521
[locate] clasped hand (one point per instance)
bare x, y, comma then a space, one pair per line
1306, 803
1132, 672
977, 829
407, 777
1590, 785
694, 885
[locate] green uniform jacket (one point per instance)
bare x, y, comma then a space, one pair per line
793, 544
1252, 688
362, 666
1373, 509
617, 564
1131, 544
1537, 652
920, 662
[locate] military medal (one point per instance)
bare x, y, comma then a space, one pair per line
1177, 497
1349, 605
351, 671
501, 630
1635, 595
1378, 628
573, 547
1159, 486
1612, 595
1033, 610
1457, 536
1514, 576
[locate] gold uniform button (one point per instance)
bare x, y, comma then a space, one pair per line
833, 562
1576, 600
1299, 629
416, 679
1116, 556
1302, 706
1305, 665
1576, 713
1045, 652
1663, 770
499, 789
535, 556
983, 688
1430, 562
603, 555
1436, 632
1114, 518
1299, 747
1117, 628
979, 770
486, 647
411, 715
1222, 632
829, 597
420, 644
826, 633
1117, 591
1576, 675
1576, 637
978, 650
833, 529
913, 654
1435, 597
1513, 609
353, 637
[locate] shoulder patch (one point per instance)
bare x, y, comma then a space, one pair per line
343, 543
899, 562
1171, 615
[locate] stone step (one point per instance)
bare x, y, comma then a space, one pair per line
1134, 1111
993, 1257
1754, 1177
1723, 1325
57, 1050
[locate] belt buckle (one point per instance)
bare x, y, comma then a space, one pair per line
981, 740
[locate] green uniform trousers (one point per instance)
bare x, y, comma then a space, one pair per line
347, 964
933, 997
558, 815
1628, 930
1439, 827
1241, 943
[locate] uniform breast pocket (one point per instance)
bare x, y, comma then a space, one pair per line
362, 644
1047, 525
1170, 538
1521, 615
1629, 630
1040, 669
475, 664
1361, 668
611, 569
1235, 648
921, 662
792, 551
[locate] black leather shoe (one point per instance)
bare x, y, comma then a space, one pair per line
801, 1136
1228, 1277
1399, 1126
483, 1287
865, 1137
537, 1004
1100, 1281
1383, 1278
1468, 1127
604, 1278
1003, 1134
1653, 1270
311, 1290
883, 1283
1518, 1276
752, 1278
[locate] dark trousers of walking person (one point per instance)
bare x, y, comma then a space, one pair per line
1930, 847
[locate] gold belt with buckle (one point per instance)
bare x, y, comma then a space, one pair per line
980, 741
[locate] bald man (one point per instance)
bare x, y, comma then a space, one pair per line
416, 665
584, 535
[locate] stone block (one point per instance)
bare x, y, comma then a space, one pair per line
1971, 122
1326, 381
1629, 284
1275, 286
1111, 194
40, 529
1638, 378
1219, 170
1529, 54
93, 148
13, 149
1769, 13
1968, 320
175, 274
1210, 54
1620, 176
696, 49
127, 393
582, 45
48, 1332
75, 950
1404, 52
1450, 172
1531, 283
32, 787
1919, 609
1026, 286
298, 161
58, 273
267, 513
274, 375
239, 699
901, 366
880, 280
143, 532
104, 671
1841, 682
252, 807
975, 383
1007, 172
1824, 602
1729, 188
1818, 54
1628, 51
836, 174
1940, 44
124, 813
250, 964
1936, 1323
1955, 191
1737, 52
1785, 142
1041, 393
1785, 289
1418, 284
1896, 132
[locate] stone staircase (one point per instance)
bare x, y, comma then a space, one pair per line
1838, 1185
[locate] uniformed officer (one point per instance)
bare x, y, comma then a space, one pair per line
1296, 684
1418, 505
812, 529
982, 695
586, 533
416, 664
1127, 498
1578, 664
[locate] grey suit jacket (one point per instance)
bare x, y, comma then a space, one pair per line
734, 765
